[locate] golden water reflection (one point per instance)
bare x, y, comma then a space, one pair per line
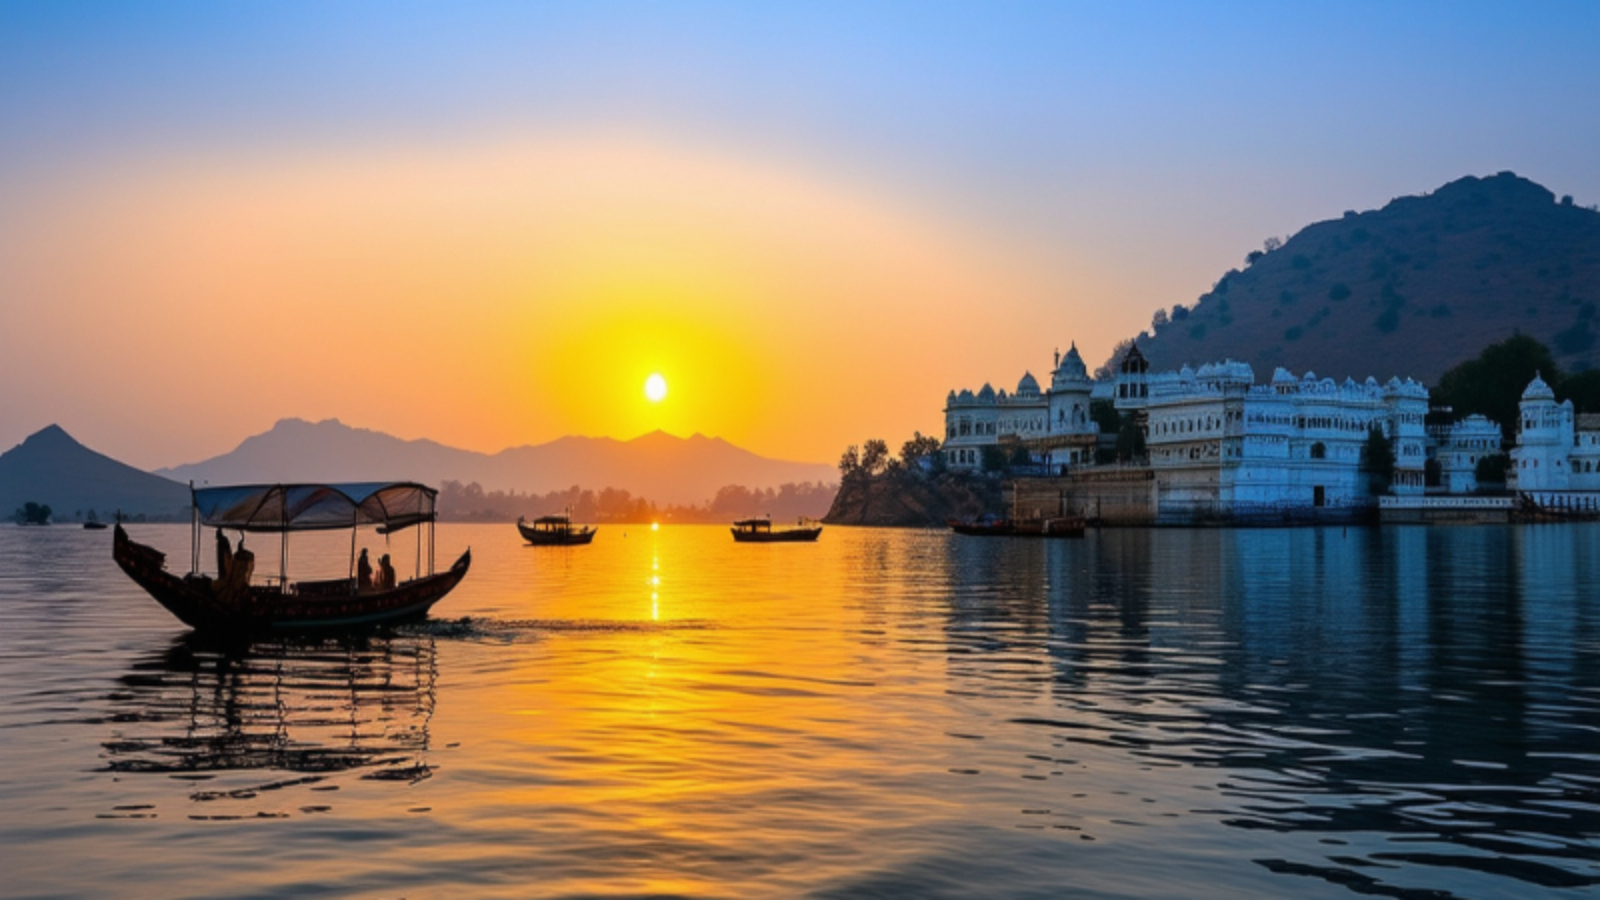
883, 713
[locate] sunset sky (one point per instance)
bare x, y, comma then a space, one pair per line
488, 224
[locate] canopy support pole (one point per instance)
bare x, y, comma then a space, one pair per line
194, 533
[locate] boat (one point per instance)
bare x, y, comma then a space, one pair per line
232, 601
759, 531
993, 526
983, 526
555, 530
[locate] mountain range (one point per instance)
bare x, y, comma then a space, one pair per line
659, 466
1411, 289
52, 468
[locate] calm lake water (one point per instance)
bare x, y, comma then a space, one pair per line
1397, 712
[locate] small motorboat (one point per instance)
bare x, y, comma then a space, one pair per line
557, 531
760, 531
231, 601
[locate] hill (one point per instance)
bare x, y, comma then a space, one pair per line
1410, 289
52, 468
659, 466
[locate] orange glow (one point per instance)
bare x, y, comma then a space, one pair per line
503, 293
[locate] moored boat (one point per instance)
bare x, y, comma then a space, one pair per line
992, 526
983, 526
231, 601
555, 530
760, 531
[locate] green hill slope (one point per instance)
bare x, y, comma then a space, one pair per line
1410, 289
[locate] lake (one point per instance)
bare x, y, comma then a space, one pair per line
1395, 712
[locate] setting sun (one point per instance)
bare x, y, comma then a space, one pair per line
655, 388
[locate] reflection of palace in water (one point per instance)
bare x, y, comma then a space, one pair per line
1435, 682
294, 706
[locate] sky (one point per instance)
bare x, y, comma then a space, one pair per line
487, 224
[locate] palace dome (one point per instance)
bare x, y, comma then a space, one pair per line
1028, 386
1538, 390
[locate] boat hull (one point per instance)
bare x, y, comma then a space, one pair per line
790, 536
1046, 528
197, 602
556, 538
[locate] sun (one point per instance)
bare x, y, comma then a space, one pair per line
655, 388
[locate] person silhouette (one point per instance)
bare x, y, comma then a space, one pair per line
363, 572
385, 573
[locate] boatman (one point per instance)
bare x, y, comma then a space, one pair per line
224, 556
363, 572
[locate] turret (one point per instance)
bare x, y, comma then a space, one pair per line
1133, 380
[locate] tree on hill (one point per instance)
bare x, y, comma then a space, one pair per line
1377, 460
919, 448
1583, 389
1491, 384
31, 513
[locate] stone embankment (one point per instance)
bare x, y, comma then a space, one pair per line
914, 499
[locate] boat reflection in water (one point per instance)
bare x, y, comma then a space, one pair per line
298, 711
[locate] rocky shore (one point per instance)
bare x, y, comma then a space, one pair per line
913, 499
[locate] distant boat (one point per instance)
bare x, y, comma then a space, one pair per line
759, 531
92, 525
555, 530
993, 526
232, 602
983, 526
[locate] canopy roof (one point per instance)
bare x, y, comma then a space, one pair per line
753, 523
311, 507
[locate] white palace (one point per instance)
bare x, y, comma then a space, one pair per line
1216, 443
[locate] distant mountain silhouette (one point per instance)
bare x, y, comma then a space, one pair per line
52, 468
664, 468
1410, 290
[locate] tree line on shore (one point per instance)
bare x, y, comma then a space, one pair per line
471, 503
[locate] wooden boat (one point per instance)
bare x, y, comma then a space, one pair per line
759, 531
991, 526
555, 530
232, 602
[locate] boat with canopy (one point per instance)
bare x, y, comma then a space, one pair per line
760, 531
232, 600
555, 530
